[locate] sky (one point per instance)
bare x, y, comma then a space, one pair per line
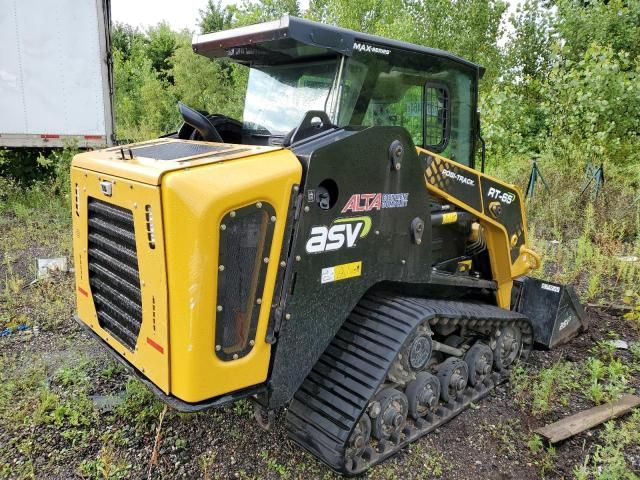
180, 14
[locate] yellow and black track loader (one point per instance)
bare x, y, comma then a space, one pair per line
335, 252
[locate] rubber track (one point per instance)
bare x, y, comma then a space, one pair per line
329, 403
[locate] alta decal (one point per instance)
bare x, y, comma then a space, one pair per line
366, 202
343, 232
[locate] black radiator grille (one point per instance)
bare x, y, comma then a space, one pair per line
113, 271
245, 242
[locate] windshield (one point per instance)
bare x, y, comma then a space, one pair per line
278, 96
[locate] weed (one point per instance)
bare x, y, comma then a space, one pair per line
633, 300
605, 382
545, 456
553, 385
634, 348
506, 434
243, 408
139, 405
108, 465
73, 374
111, 370
545, 389
434, 465
519, 382
608, 460
604, 349
535, 444
74, 412
207, 461
548, 460
581, 472
274, 466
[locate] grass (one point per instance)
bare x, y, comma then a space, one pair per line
583, 241
546, 389
139, 406
108, 464
608, 460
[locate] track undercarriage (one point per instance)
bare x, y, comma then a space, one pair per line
399, 368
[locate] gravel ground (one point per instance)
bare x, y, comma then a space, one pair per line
488, 441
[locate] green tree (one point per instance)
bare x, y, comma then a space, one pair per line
214, 17
211, 85
615, 23
250, 12
469, 28
530, 44
144, 104
124, 38
161, 42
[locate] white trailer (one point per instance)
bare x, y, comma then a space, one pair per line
56, 83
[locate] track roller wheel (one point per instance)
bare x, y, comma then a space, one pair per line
453, 374
479, 359
423, 394
419, 352
392, 414
508, 343
359, 438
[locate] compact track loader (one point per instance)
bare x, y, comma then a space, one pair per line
337, 251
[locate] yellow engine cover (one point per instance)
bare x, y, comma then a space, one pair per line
176, 207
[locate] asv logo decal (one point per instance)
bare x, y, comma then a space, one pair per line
342, 232
504, 197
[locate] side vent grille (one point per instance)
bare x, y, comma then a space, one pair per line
245, 243
113, 271
151, 235
77, 198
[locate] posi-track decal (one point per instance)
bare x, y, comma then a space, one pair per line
457, 182
341, 272
366, 202
343, 232
458, 177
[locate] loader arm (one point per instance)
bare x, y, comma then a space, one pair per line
500, 211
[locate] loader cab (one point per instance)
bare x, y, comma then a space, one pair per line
358, 80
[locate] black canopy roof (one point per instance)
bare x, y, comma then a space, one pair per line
292, 38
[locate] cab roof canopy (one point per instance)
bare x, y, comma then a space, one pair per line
292, 39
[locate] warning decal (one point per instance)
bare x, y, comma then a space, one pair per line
341, 272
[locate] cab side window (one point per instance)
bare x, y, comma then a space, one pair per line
436, 117
399, 105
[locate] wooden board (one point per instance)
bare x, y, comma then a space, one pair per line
570, 426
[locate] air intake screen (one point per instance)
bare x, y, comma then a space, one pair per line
176, 150
245, 242
113, 271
